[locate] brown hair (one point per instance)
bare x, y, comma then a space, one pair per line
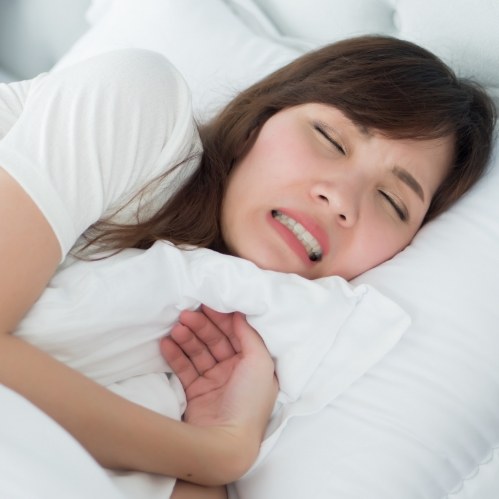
389, 85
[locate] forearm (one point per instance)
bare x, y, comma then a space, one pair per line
118, 433
185, 490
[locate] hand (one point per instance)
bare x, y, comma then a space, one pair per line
226, 371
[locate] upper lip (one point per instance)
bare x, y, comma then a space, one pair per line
312, 226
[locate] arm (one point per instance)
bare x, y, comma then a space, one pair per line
117, 433
204, 350
220, 359
186, 490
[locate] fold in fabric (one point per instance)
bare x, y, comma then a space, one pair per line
105, 317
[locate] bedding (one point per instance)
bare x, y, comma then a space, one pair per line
105, 318
40, 460
421, 422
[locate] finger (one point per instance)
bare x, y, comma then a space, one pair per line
209, 333
221, 319
179, 362
197, 352
224, 322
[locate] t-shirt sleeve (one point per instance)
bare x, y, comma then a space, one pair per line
12, 97
91, 136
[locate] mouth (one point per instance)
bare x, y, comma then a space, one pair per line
309, 242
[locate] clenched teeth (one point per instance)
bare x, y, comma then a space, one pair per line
309, 242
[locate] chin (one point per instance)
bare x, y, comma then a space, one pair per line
266, 263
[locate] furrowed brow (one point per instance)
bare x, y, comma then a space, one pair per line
410, 181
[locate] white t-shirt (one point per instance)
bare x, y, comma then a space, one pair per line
84, 140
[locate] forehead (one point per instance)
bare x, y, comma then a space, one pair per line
428, 161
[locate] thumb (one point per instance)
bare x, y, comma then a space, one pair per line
248, 339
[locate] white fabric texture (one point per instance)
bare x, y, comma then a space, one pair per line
81, 117
105, 318
210, 42
423, 421
12, 100
38, 459
456, 30
165, 396
229, 44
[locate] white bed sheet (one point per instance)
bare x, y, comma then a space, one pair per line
39, 460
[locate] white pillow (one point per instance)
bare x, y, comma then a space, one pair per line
423, 421
28, 470
214, 50
456, 30
243, 40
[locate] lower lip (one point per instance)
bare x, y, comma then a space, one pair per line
290, 240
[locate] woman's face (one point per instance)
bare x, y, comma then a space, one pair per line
318, 196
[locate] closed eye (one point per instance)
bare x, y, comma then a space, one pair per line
401, 211
319, 127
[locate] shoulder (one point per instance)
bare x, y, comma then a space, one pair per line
133, 72
137, 67
12, 98
94, 134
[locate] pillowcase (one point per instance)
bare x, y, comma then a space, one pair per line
455, 31
67, 471
243, 40
214, 50
422, 422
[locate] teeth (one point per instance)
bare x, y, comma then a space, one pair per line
309, 242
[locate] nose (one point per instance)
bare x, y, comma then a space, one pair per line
342, 199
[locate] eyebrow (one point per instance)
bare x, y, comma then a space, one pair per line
409, 180
401, 173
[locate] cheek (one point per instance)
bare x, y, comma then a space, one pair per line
383, 243
281, 146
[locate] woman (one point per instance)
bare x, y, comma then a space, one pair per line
327, 167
